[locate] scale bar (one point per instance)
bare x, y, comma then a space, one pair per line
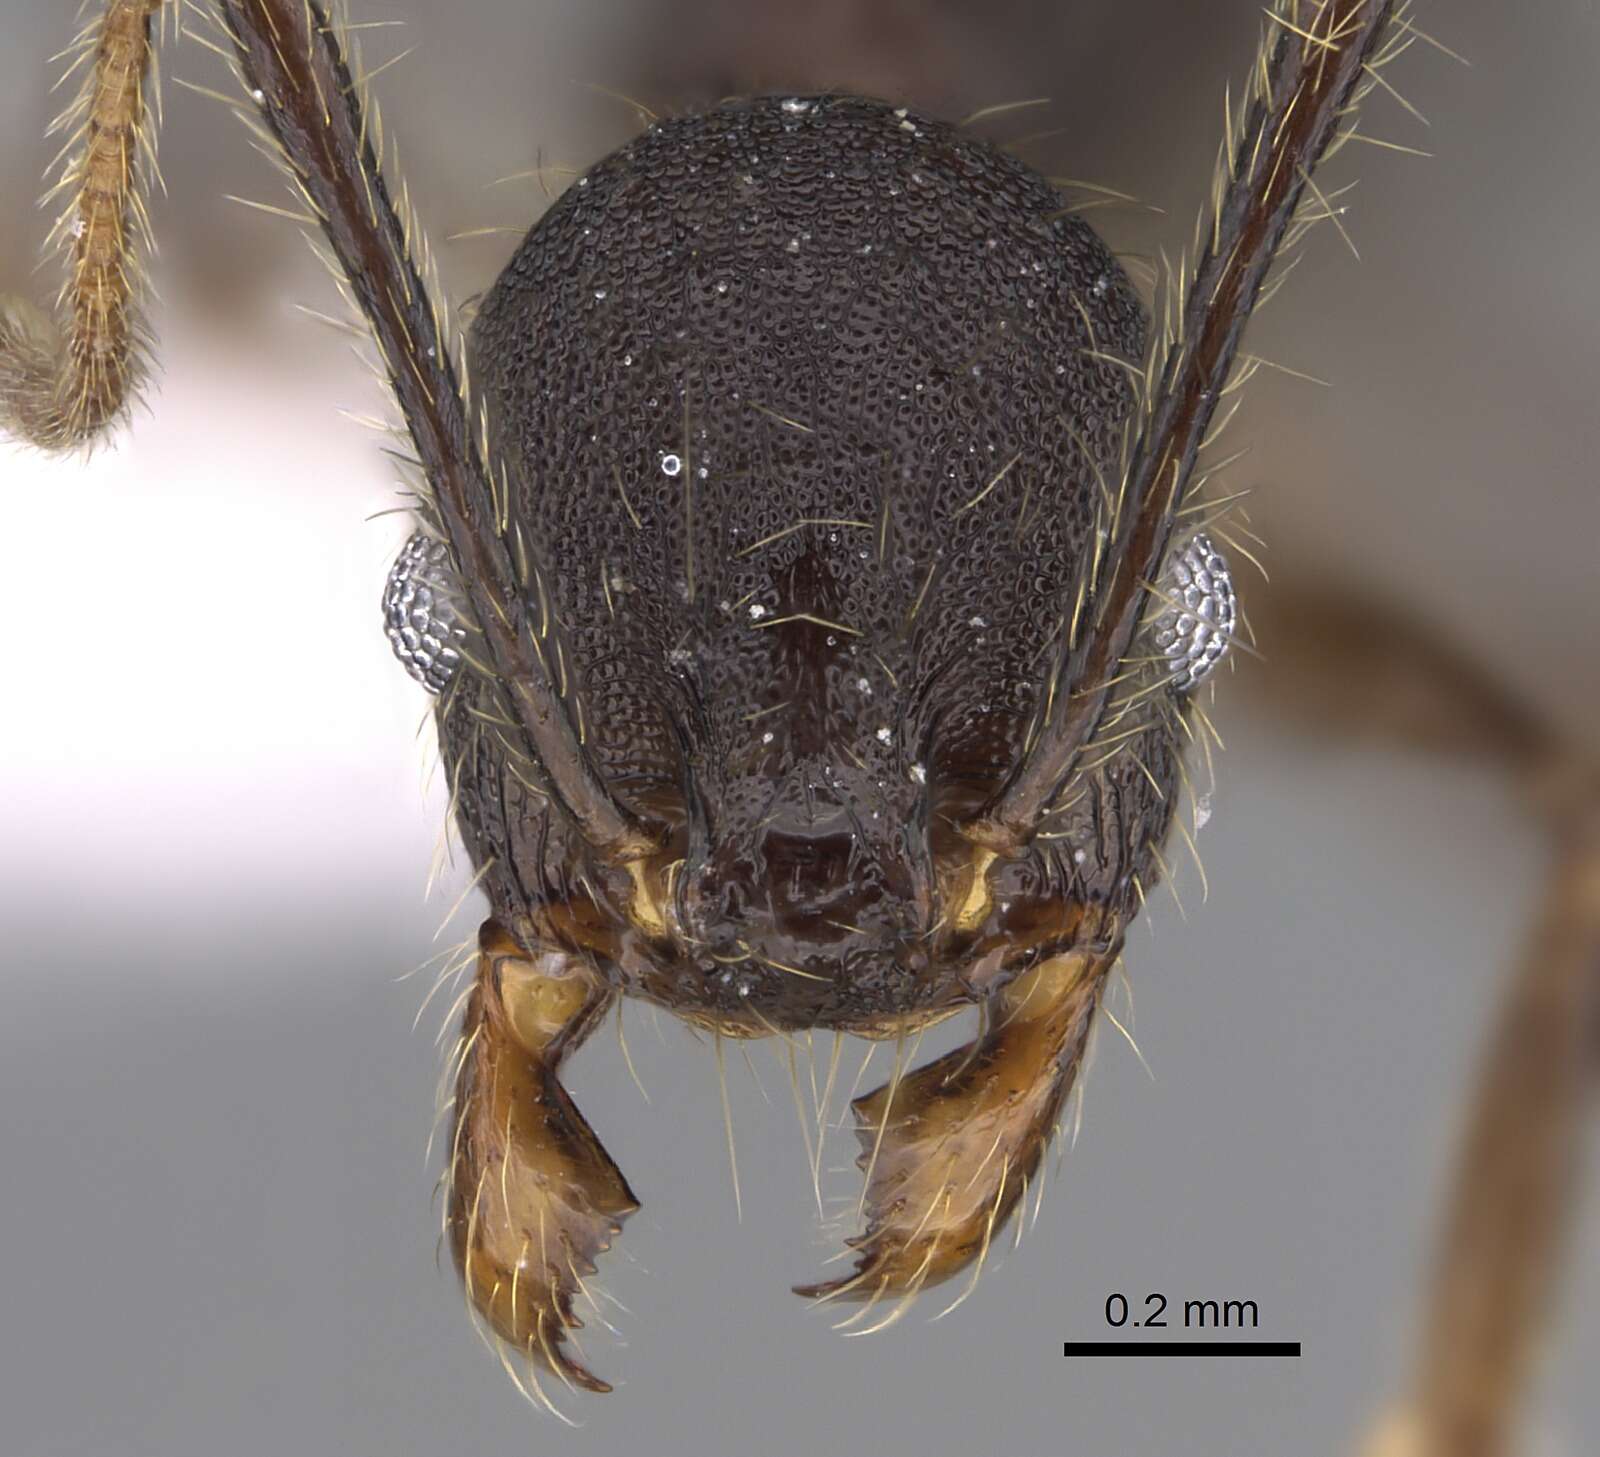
1180, 1348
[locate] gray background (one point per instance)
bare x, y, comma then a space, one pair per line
215, 1231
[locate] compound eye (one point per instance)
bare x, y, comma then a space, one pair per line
1197, 627
419, 616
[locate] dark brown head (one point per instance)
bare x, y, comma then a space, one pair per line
824, 395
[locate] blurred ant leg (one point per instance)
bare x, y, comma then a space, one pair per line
1517, 1183
949, 1149
1353, 668
1348, 666
65, 380
533, 1195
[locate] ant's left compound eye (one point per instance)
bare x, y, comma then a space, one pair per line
419, 616
1196, 628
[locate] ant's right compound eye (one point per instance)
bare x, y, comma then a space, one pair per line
419, 613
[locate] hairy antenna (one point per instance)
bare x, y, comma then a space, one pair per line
66, 379
294, 62
1315, 64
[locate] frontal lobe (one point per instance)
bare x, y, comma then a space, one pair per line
809, 345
